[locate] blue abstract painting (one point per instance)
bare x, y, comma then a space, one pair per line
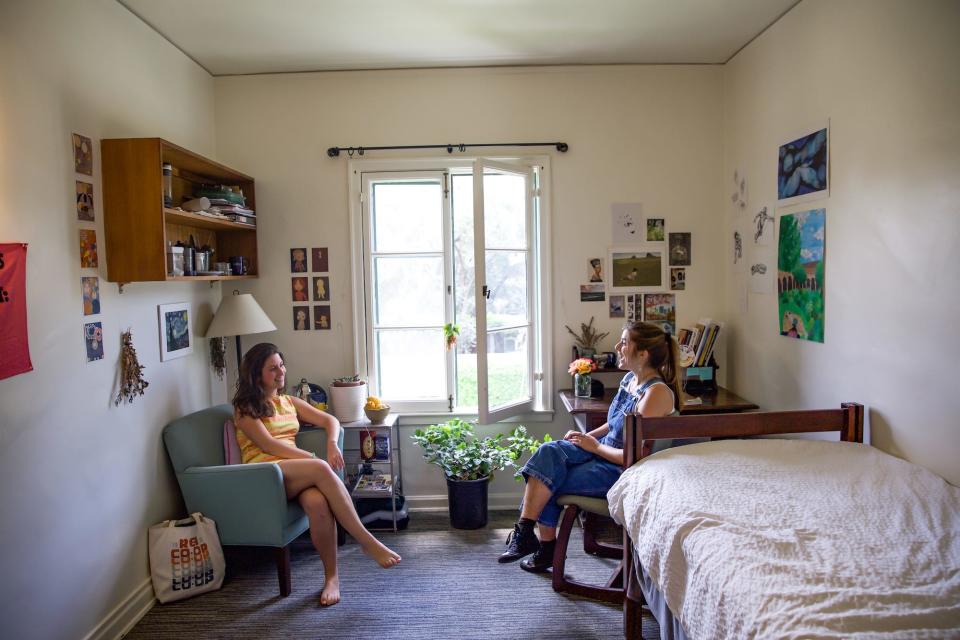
802, 167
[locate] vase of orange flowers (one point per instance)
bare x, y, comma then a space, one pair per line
581, 368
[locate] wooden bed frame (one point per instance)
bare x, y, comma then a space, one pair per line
639, 434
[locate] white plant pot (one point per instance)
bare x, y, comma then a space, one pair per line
348, 402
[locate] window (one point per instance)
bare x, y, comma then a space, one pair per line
434, 246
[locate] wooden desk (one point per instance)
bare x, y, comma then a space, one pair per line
590, 413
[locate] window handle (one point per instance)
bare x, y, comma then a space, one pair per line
487, 292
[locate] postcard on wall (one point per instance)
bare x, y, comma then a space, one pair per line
176, 330
630, 308
301, 318
627, 222
85, 201
680, 249
14, 338
763, 228
800, 267
595, 270
661, 309
321, 289
592, 293
616, 307
736, 252
298, 260
761, 269
655, 229
639, 268
321, 316
678, 278
82, 154
320, 259
90, 285
739, 197
88, 249
803, 167
298, 289
93, 339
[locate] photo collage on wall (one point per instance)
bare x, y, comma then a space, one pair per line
311, 284
85, 213
644, 262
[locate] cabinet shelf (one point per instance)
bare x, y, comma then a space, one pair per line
138, 228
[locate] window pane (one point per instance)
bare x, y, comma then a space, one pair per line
507, 278
464, 280
407, 216
408, 291
504, 211
507, 366
411, 364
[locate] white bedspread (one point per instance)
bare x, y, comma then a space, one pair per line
796, 538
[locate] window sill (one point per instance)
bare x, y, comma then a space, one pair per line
419, 418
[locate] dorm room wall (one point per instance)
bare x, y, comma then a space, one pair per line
83, 479
885, 74
636, 133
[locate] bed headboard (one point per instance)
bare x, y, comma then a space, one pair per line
640, 432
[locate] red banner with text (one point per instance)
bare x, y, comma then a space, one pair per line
14, 347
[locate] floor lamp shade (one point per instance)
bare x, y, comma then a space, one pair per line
239, 315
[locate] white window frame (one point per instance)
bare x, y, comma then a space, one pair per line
541, 383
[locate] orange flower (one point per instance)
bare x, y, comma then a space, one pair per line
582, 366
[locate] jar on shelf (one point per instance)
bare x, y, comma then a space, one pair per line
174, 261
167, 184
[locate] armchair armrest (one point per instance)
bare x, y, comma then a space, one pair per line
231, 494
315, 439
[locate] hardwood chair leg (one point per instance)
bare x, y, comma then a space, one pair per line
283, 570
590, 543
612, 591
632, 620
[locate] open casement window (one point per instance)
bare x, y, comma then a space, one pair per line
438, 247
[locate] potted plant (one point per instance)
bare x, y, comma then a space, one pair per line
588, 339
348, 395
468, 463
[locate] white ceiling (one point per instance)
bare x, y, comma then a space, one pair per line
231, 37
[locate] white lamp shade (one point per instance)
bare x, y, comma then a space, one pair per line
239, 315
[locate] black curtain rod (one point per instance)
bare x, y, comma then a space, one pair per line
334, 152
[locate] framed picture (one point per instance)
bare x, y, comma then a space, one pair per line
85, 201
661, 309
82, 154
93, 339
90, 286
680, 250
301, 318
320, 259
595, 270
638, 268
321, 289
592, 293
616, 307
678, 278
655, 229
88, 249
176, 332
298, 260
298, 288
321, 316
803, 169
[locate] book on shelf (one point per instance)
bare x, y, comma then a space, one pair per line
701, 338
374, 482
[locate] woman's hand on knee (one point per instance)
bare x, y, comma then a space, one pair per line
569, 435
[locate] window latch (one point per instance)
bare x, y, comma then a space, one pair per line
450, 403
487, 292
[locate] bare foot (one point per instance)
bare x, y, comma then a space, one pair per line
331, 592
383, 555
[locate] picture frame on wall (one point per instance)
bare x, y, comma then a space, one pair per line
638, 268
803, 166
176, 330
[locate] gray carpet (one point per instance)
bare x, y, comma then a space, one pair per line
449, 585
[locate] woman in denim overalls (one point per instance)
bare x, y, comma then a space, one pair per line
589, 463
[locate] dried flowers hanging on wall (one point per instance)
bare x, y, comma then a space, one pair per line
132, 383
218, 355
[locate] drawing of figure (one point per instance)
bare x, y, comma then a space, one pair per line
298, 260
793, 326
737, 247
320, 291
596, 274
300, 319
299, 289
760, 220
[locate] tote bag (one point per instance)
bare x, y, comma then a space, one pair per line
185, 557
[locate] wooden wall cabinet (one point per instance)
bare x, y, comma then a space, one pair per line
138, 227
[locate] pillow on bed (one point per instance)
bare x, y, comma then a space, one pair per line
231, 449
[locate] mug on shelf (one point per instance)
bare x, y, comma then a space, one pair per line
238, 265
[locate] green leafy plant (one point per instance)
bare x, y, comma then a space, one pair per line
461, 455
588, 338
450, 333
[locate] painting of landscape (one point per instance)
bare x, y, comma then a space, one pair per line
638, 270
800, 270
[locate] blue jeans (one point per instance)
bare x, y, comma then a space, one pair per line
566, 468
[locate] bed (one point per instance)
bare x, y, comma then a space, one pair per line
784, 538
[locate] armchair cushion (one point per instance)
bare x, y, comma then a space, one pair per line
231, 448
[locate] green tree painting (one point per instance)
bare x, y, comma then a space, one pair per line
800, 282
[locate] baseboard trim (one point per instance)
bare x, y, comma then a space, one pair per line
438, 502
121, 619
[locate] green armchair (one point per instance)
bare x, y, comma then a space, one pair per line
247, 501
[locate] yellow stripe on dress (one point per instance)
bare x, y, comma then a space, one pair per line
282, 425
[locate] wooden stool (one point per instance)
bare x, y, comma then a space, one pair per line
593, 508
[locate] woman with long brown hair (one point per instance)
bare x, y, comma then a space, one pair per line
267, 422
589, 463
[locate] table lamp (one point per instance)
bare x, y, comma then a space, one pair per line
239, 315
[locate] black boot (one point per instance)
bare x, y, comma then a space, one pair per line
522, 542
542, 559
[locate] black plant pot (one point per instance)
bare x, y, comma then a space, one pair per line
468, 503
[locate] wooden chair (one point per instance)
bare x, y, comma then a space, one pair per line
593, 510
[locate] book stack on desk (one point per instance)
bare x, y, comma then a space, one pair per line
702, 338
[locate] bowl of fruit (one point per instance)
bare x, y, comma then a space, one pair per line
376, 410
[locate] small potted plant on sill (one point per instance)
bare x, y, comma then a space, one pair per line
587, 340
469, 462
